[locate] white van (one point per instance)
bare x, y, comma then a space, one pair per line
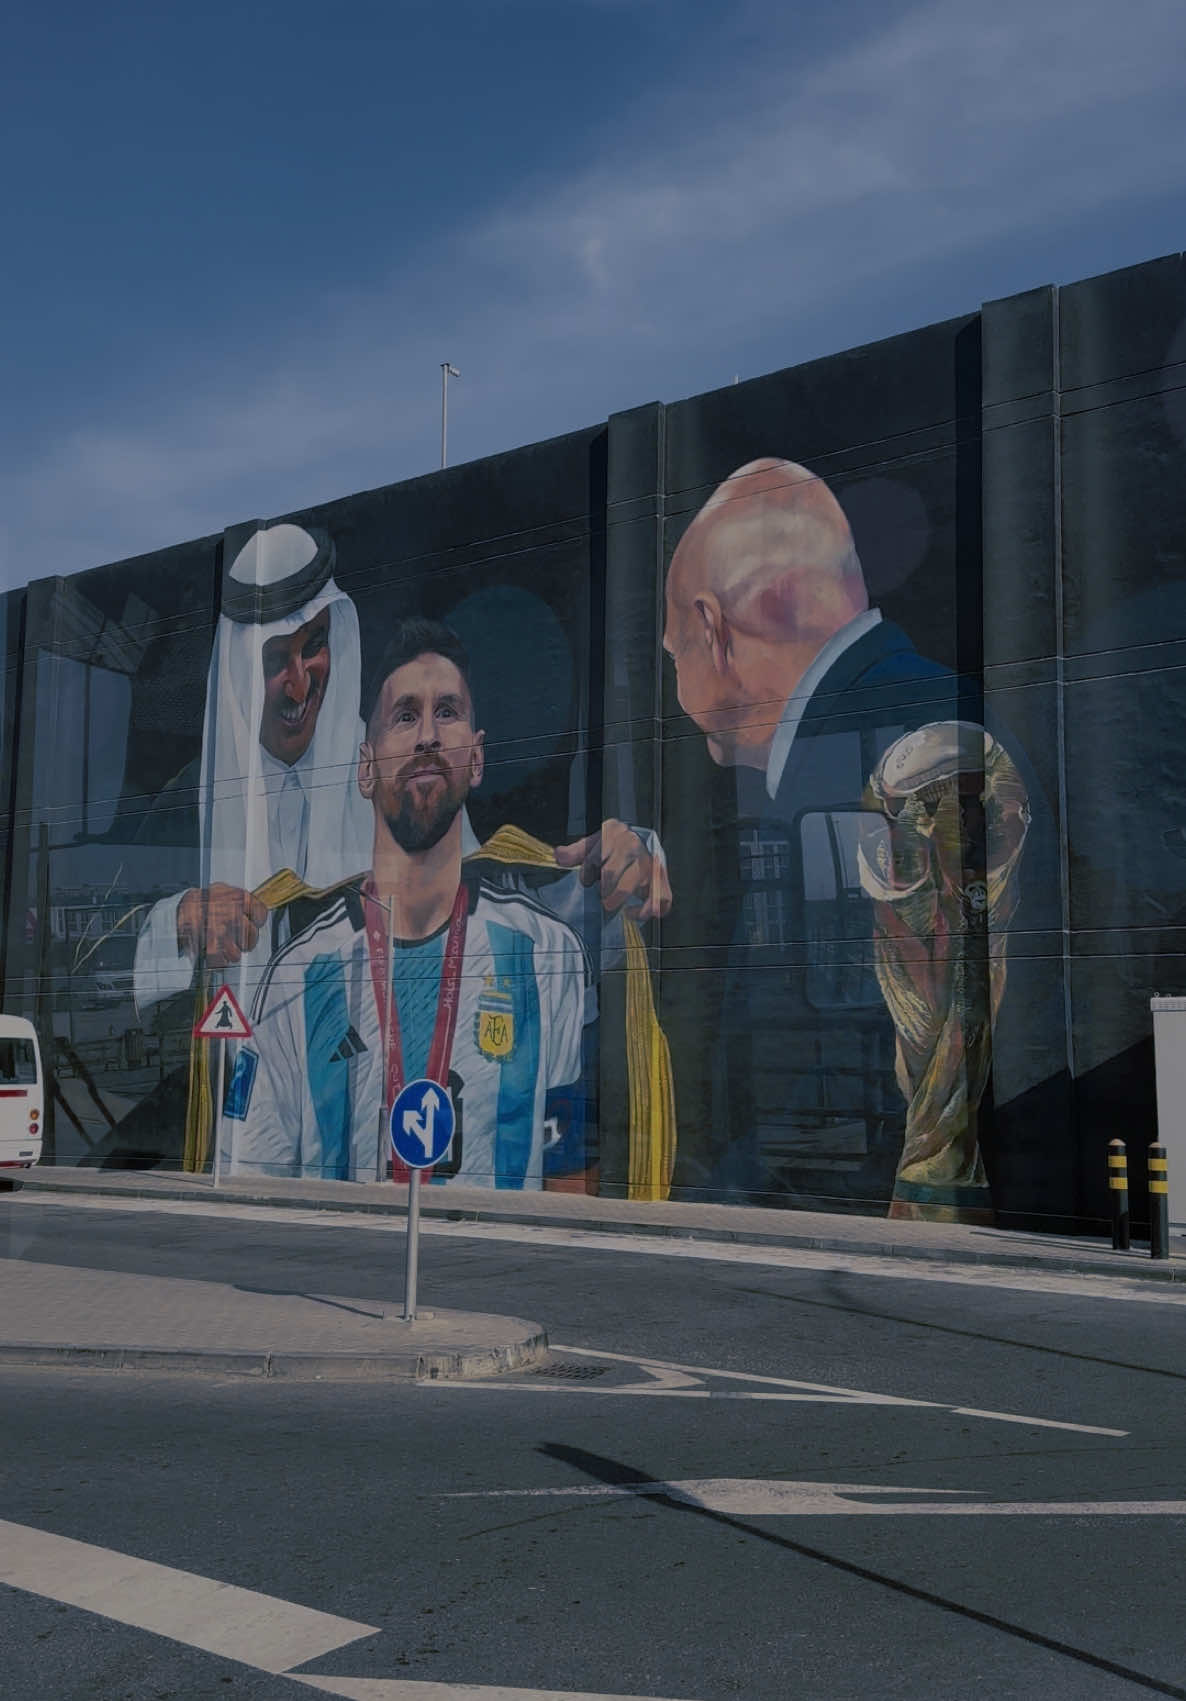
22, 1106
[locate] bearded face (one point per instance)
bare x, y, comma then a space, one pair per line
422, 800
422, 755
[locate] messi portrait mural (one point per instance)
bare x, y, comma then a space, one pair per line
370, 935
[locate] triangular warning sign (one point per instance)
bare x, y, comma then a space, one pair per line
224, 1019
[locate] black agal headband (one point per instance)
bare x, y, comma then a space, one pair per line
249, 604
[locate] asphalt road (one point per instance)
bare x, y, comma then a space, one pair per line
618, 1528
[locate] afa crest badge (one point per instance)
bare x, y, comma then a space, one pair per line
495, 1031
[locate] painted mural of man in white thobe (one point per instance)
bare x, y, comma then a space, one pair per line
280, 744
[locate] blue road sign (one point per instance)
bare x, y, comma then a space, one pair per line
422, 1124
238, 1094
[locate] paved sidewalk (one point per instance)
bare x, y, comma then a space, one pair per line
817, 1230
108, 1320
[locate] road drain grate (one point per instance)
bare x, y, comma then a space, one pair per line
569, 1372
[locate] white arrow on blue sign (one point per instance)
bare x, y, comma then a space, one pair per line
422, 1124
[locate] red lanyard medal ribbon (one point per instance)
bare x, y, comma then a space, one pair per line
445, 1026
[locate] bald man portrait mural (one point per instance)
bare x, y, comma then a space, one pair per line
880, 839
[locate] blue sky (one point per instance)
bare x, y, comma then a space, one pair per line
241, 238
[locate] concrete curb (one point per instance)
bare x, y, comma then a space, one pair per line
1130, 1266
421, 1364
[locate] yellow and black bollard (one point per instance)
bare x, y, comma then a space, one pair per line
1118, 1187
1159, 1203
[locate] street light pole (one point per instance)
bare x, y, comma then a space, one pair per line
447, 372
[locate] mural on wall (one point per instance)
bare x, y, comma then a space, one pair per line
881, 841
912, 754
350, 907
326, 865
280, 732
98, 669
939, 856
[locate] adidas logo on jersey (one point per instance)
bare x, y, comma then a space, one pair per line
350, 1046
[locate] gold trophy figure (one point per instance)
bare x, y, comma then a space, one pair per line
939, 857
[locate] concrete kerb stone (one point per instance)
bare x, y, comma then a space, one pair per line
476, 1365
428, 1361
1071, 1262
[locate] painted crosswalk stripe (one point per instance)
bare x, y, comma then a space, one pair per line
257, 1630
238, 1624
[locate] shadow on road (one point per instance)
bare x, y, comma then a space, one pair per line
618, 1475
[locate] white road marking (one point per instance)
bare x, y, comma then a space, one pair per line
659, 1365
685, 1382
896, 1267
746, 1497
639, 1391
410, 1689
665, 1380
238, 1624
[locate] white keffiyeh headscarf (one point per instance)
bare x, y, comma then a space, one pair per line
279, 581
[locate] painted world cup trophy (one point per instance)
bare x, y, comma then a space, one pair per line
941, 846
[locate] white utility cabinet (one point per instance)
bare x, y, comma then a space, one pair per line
1169, 1051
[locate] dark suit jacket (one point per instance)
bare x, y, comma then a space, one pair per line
805, 1103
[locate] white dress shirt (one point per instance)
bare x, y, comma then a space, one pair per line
288, 811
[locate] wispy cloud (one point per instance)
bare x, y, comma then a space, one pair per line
712, 219
950, 124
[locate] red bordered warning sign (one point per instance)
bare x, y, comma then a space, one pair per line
224, 1019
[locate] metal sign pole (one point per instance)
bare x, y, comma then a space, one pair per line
384, 1151
218, 1111
444, 410
223, 1020
413, 1248
448, 370
423, 1123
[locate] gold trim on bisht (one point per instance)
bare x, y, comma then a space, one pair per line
651, 1086
276, 891
199, 1102
648, 1058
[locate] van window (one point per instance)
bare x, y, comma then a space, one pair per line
17, 1062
